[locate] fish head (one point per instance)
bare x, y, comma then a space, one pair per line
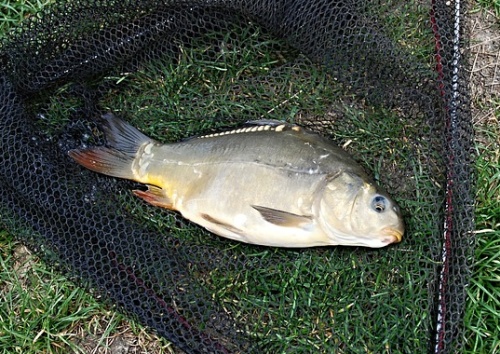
353, 212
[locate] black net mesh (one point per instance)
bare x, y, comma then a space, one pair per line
384, 79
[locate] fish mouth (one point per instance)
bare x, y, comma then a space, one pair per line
392, 235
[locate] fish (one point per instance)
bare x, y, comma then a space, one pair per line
266, 183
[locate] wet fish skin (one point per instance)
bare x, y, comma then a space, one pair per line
270, 183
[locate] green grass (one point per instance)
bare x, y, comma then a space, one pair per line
493, 5
42, 312
482, 318
40, 309
13, 12
344, 298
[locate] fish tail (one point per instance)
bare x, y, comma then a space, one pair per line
117, 157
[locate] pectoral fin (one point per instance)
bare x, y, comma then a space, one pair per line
282, 218
155, 196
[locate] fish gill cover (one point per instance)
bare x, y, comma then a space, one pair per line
384, 79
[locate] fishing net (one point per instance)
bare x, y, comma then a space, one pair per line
384, 79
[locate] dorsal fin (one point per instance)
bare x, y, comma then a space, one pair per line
257, 126
270, 122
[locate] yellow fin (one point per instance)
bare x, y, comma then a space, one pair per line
282, 218
155, 196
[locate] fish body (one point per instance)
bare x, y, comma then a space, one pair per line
271, 183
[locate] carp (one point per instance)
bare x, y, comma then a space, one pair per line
268, 183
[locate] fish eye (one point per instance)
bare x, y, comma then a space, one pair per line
379, 204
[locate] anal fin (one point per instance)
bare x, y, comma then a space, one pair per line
155, 196
282, 218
